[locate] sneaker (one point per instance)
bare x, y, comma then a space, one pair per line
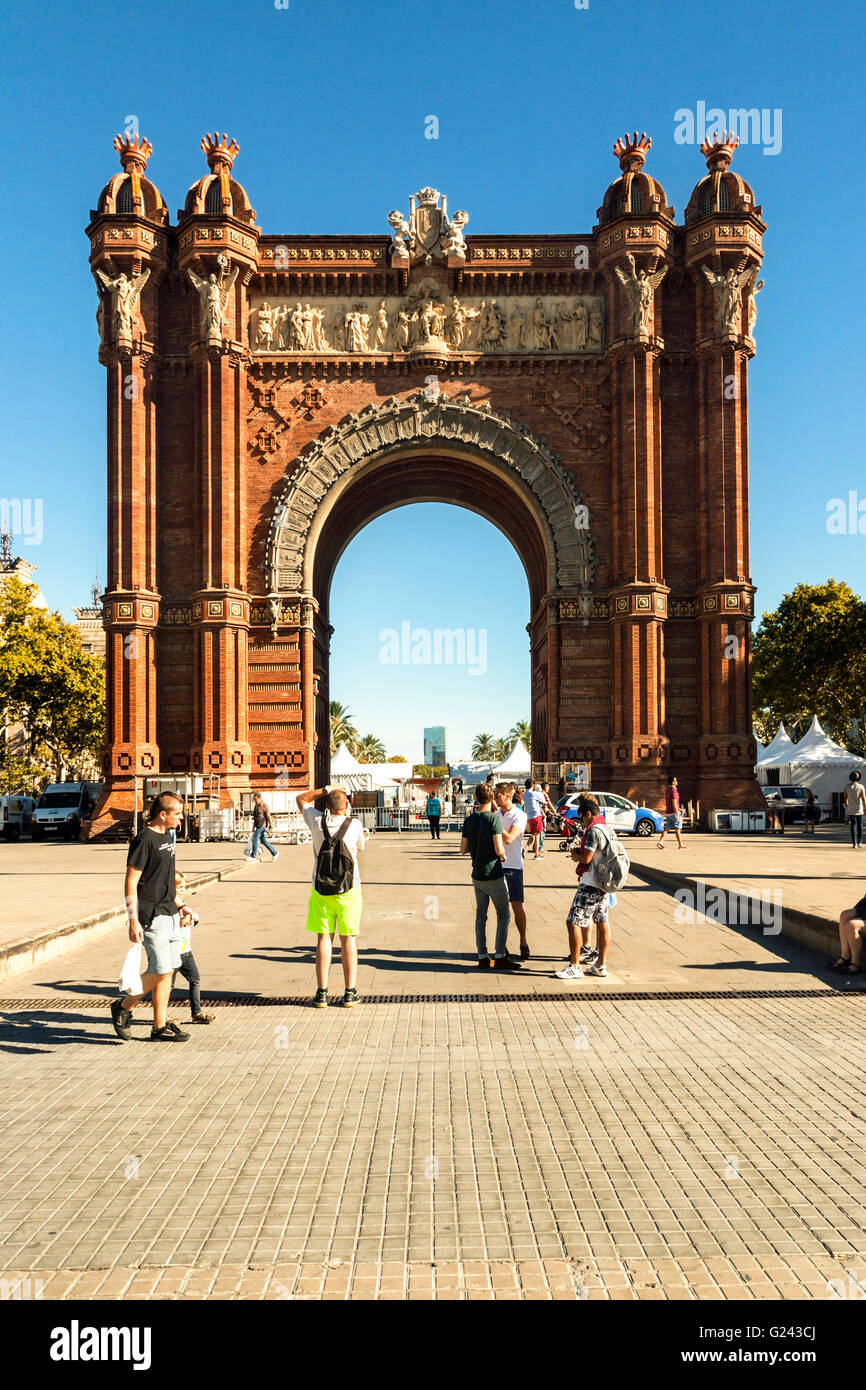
321, 999
276, 857
524, 951
587, 955
121, 1018
485, 963
168, 1033
596, 969
571, 972
202, 1018
350, 999
506, 963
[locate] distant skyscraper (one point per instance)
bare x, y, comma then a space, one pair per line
434, 746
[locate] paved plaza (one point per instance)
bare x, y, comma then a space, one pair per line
691, 1128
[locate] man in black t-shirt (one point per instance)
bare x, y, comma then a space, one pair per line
482, 838
153, 917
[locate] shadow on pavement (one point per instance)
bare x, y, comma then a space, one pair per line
36, 1031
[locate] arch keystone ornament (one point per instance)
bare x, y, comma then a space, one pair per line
290, 389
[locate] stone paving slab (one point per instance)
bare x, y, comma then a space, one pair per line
639, 1149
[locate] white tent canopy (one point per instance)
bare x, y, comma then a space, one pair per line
518, 761
779, 751
344, 761
816, 762
760, 747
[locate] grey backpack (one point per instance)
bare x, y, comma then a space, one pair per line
611, 863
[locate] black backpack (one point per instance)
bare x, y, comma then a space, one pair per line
335, 869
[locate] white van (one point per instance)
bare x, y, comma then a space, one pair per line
16, 812
62, 807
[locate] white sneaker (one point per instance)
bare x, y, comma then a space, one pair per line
571, 972
276, 857
595, 969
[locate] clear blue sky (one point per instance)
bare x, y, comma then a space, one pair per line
328, 101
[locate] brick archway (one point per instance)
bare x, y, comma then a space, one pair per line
416, 449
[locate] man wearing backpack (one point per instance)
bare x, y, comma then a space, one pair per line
335, 899
602, 867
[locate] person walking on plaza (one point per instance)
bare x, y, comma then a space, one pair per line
262, 823
188, 968
335, 897
481, 838
533, 805
154, 920
434, 812
811, 814
851, 924
513, 829
547, 808
673, 814
855, 807
591, 901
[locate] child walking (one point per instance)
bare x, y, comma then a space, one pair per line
188, 968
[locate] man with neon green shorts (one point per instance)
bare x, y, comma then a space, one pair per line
335, 899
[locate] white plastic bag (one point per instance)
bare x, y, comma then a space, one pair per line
249, 848
130, 974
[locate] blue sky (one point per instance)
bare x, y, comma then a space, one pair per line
328, 101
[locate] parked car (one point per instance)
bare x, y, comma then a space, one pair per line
792, 801
622, 815
62, 807
16, 812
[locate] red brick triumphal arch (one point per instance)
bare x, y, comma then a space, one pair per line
268, 396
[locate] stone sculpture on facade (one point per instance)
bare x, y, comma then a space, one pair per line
213, 295
753, 308
124, 293
640, 287
727, 288
428, 234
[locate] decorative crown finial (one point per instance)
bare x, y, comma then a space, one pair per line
631, 151
221, 153
718, 150
134, 152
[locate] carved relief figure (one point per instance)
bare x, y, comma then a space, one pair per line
357, 324
124, 300
340, 329
381, 327
518, 327
265, 330
580, 320
296, 335
492, 326
540, 326
398, 248
596, 327
213, 295
640, 288
402, 329
320, 342
453, 240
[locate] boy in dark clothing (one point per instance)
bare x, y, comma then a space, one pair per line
188, 968
482, 838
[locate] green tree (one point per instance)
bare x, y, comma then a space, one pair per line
482, 748
422, 770
342, 728
809, 657
522, 730
501, 749
397, 758
49, 682
369, 749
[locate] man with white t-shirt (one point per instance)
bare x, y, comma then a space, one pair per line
533, 805
335, 898
513, 828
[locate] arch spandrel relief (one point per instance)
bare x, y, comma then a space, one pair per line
379, 429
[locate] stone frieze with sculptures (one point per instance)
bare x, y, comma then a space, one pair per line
428, 319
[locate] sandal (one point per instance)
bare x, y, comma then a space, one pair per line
839, 964
852, 969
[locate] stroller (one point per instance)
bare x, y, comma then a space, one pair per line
569, 827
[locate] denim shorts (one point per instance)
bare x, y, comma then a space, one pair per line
514, 884
162, 942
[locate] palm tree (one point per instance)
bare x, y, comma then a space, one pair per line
342, 728
501, 749
521, 730
369, 749
482, 748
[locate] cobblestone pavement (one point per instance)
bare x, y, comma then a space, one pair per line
703, 1142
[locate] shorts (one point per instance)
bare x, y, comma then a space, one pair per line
588, 905
514, 884
535, 825
162, 942
342, 910
674, 822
